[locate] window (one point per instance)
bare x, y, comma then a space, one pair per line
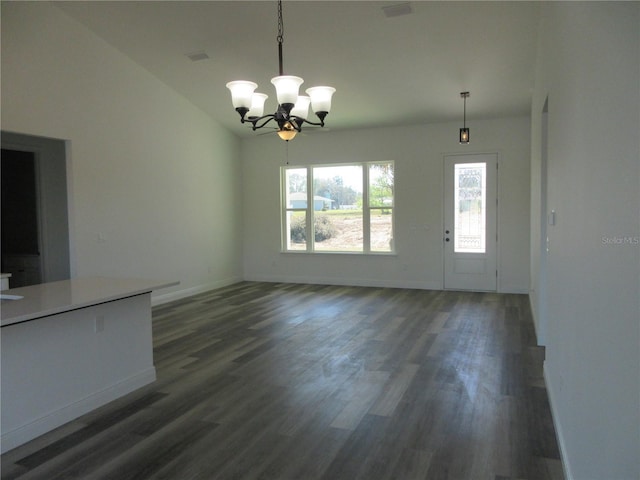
338, 208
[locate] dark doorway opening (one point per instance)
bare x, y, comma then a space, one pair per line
20, 231
35, 218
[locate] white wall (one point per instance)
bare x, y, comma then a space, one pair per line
154, 182
589, 68
418, 152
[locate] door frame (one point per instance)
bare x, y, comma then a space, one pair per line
53, 181
498, 156
545, 222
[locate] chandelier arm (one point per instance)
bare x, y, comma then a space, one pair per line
300, 121
268, 119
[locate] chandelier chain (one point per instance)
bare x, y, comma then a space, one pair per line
280, 36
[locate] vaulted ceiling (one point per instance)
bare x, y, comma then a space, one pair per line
387, 70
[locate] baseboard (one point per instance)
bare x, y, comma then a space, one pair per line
540, 340
366, 282
42, 425
566, 466
349, 282
514, 290
189, 292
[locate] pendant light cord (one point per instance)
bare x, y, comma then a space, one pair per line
280, 37
464, 115
287, 152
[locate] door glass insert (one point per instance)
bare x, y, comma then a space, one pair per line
470, 207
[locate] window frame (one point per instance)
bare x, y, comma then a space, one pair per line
310, 213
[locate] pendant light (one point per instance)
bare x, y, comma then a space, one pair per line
464, 131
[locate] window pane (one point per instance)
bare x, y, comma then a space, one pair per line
339, 231
470, 213
381, 185
338, 223
296, 185
297, 228
337, 187
381, 229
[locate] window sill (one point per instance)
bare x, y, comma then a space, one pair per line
358, 254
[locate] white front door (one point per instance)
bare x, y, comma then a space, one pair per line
470, 204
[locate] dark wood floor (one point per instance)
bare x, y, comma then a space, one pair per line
280, 381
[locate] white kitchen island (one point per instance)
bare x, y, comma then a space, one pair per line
69, 347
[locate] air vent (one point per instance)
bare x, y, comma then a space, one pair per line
197, 56
397, 10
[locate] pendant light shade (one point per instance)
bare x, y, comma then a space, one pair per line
464, 135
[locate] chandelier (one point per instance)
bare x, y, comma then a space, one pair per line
293, 109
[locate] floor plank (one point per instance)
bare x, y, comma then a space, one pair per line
285, 381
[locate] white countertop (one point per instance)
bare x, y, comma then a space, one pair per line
58, 297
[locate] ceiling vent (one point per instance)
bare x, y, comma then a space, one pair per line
397, 10
197, 56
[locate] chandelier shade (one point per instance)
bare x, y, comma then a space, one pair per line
287, 87
241, 93
257, 105
287, 132
301, 108
321, 98
293, 109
